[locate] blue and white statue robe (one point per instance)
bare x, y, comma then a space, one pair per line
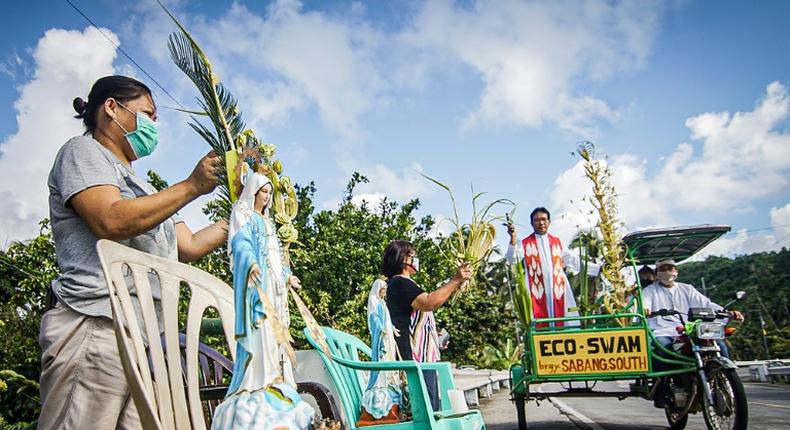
383, 389
262, 392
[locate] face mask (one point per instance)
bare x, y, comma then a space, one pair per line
666, 277
415, 264
143, 140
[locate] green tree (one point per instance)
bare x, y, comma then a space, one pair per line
26, 270
765, 277
339, 258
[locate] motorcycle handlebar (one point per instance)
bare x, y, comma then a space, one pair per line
722, 314
663, 313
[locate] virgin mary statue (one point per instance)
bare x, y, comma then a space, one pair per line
262, 392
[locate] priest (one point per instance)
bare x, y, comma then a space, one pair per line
544, 260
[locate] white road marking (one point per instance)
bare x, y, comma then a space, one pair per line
562, 406
578, 415
763, 386
770, 405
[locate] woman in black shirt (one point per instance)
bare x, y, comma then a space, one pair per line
411, 308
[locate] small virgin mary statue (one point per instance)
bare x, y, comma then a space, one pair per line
262, 393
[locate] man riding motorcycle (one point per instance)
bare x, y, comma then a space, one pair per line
667, 293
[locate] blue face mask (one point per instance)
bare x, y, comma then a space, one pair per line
144, 138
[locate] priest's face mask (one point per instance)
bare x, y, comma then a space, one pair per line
541, 222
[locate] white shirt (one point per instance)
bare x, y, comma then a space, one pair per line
570, 259
680, 297
544, 249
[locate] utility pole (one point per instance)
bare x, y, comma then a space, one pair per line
763, 331
704, 288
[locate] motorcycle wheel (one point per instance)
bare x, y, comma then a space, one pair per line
729, 410
675, 420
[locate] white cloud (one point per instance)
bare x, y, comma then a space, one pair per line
267, 104
780, 217
330, 204
743, 157
738, 244
299, 58
66, 64
637, 206
745, 242
401, 186
13, 67
532, 56
372, 200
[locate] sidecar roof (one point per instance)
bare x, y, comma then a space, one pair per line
678, 243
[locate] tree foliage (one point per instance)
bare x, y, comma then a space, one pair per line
26, 270
339, 258
765, 277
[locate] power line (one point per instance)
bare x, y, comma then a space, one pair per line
776, 227
129, 57
780, 241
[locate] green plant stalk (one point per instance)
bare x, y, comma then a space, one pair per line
583, 285
604, 203
522, 300
214, 79
470, 243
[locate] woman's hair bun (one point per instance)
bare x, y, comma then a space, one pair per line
80, 105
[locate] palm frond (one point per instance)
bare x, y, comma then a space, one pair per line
449, 191
470, 243
487, 208
229, 138
189, 111
218, 103
208, 136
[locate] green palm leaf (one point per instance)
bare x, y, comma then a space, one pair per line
215, 101
471, 242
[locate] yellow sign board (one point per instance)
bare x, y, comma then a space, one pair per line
600, 352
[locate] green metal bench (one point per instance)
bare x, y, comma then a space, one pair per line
345, 368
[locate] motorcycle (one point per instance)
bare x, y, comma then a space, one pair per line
714, 387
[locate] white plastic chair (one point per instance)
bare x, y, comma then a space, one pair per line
161, 400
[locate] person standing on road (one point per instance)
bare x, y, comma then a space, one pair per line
94, 194
411, 308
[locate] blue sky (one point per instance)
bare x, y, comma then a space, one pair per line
689, 100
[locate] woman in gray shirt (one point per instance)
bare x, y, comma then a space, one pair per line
94, 194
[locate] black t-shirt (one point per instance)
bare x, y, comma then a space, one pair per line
401, 291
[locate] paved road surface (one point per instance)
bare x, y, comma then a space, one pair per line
499, 413
769, 409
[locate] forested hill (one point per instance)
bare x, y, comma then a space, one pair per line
765, 277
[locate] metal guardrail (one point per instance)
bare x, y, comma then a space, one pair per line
770, 371
778, 374
749, 363
779, 371
478, 384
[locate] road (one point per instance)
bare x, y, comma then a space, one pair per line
769, 409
